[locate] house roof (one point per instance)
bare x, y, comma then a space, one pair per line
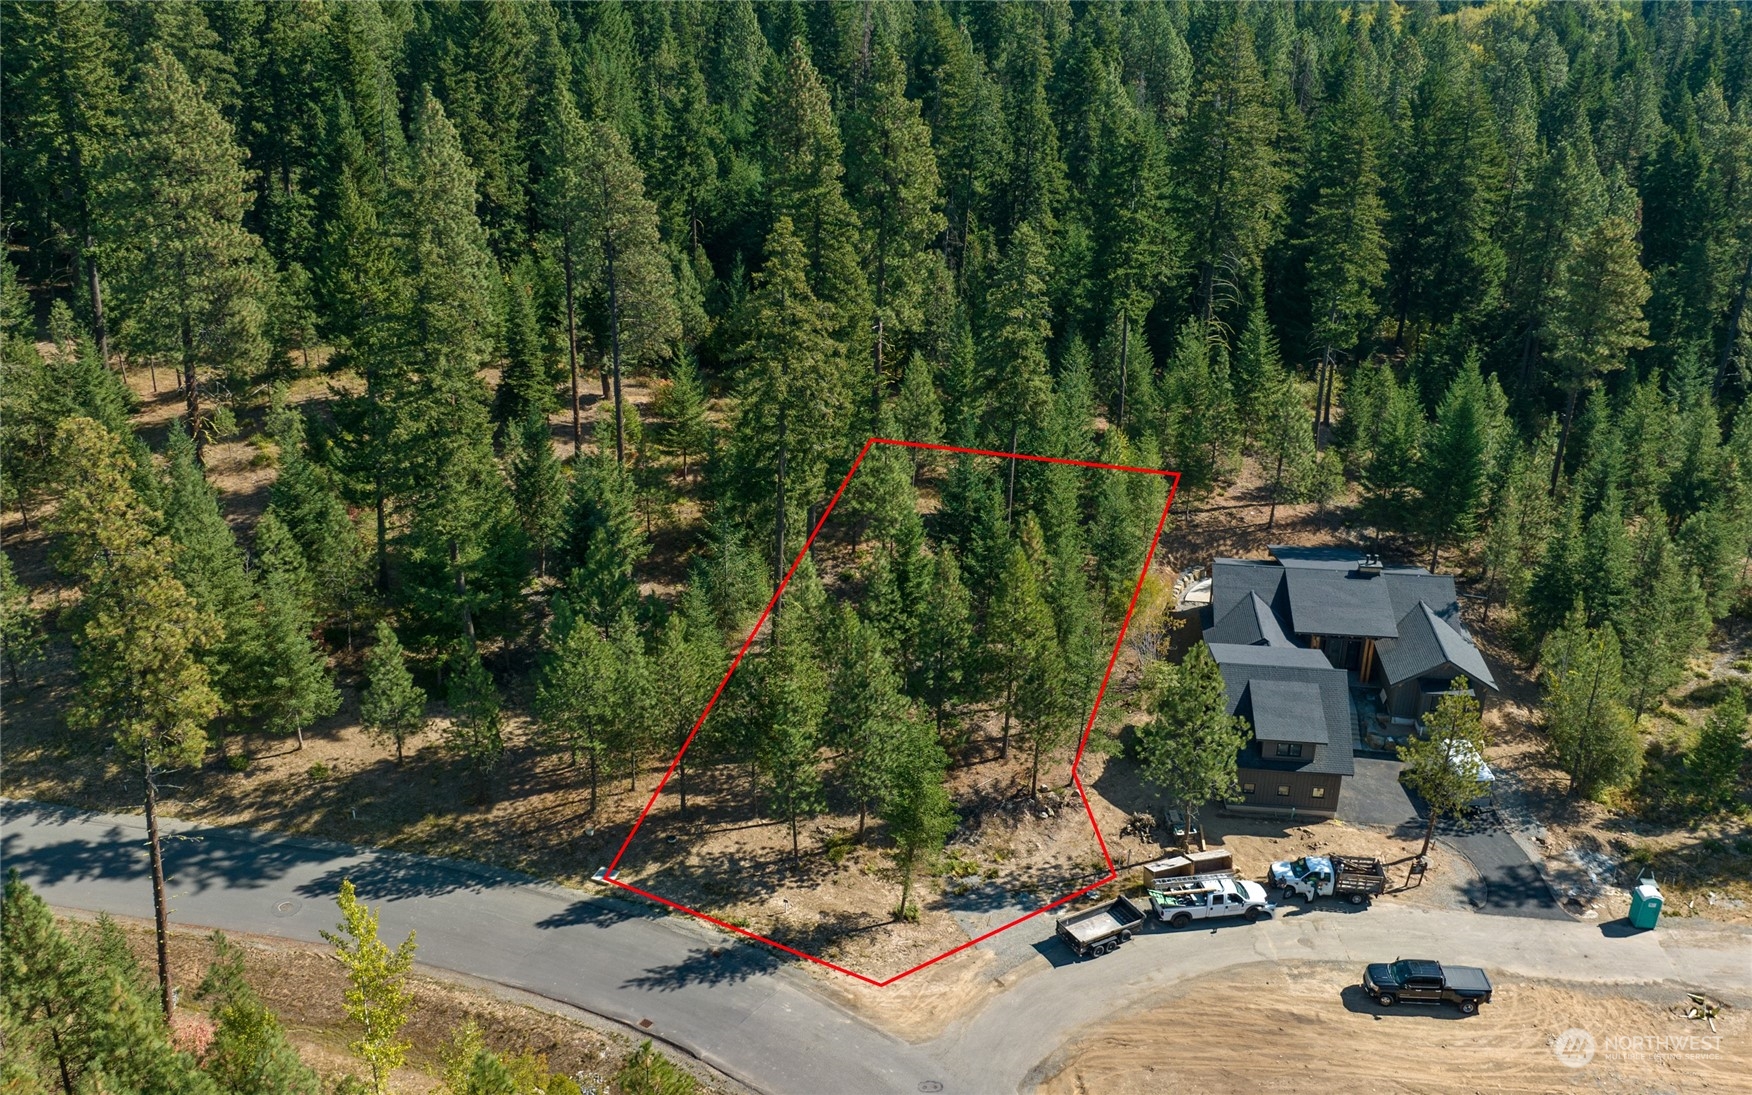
1233, 579
1329, 601
1246, 666
1429, 646
1287, 711
1250, 623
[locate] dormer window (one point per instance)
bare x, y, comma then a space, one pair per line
1289, 749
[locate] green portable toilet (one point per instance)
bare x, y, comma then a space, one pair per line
1645, 903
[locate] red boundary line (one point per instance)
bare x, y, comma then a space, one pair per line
1076, 763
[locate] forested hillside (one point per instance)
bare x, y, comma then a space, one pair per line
559, 323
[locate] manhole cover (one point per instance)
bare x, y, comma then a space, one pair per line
644, 1024
930, 1085
288, 907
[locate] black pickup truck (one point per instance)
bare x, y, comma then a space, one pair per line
1414, 981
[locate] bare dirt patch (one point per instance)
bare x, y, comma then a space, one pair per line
1294, 1027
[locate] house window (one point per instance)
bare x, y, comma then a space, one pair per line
1287, 749
1283, 790
1247, 788
1319, 792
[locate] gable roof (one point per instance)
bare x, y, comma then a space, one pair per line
1249, 623
1328, 601
1287, 711
1245, 666
1233, 579
1427, 645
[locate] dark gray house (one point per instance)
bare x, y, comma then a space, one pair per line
1296, 633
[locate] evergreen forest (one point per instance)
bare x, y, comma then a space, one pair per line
553, 328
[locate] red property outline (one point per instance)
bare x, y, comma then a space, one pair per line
607, 874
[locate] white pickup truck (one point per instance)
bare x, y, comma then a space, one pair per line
1181, 901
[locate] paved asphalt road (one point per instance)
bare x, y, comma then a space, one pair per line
766, 1022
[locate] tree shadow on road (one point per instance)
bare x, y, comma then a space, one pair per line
725, 965
393, 877
600, 913
195, 859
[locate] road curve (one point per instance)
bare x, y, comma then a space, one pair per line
738, 1008
740, 1011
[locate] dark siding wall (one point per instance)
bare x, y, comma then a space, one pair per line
1302, 786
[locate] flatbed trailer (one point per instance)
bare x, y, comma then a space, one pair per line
1099, 931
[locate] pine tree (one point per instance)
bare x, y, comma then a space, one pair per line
1134, 249
378, 1000
1257, 362
690, 664
295, 687
1013, 365
189, 278
1347, 250
76, 1010
1031, 187
1665, 624
604, 542
636, 723
1023, 649
1230, 200
1593, 733
21, 622
629, 263
391, 707
648, 1072
790, 398
1443, 766
682, 404
475, 731
279, 556
1716, 760
526, 382
918, 811
792, 701
943, 646
1451, 472
1597, 316
802, 154
1386, 445
1446, 194
209, 565
865, 709
139, 632
538, 488
566, 200
249, 1054
574, 701
919, 409
1286, 440
1188, 747
64, 101
454, 490
1198, 434
893, 182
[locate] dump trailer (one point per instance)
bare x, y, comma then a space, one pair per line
1354, 878
1101, 930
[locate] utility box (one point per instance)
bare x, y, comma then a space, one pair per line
1645, 903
